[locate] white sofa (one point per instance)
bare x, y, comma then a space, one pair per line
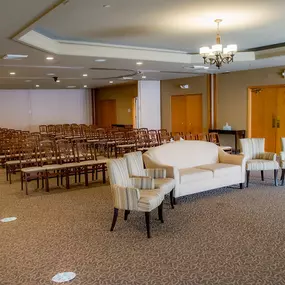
197, 166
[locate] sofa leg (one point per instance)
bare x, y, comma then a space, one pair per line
262, 175
275, 177
147, 222
172, 199
160, 212
114, 219
127, 212
247, 177
241, 185
282, 177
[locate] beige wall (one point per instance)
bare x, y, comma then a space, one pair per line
197, 85
123, 95
232, 93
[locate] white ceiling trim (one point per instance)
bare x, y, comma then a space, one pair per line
39, 41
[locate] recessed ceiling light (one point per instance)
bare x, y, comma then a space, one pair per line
111, 82
71, 86
28, 80
100, 60
15, 56
7, 220
37, 86
63, 277
49, 58
143, 77
85, 86
57, 81
50, 74
139, 63
85, 75
13, 73
107, 6
127, 78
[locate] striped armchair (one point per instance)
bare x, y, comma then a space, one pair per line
133, 194
257, 159
282, 160
136, 169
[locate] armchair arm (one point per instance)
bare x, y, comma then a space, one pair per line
282, 155
142, 182
156, 172
125, 198
268, 156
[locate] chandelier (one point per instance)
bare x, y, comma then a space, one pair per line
217, 54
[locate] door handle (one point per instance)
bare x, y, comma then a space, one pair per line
278, 123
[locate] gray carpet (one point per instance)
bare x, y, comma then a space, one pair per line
226, 236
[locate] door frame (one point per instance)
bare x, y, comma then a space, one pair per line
249, 103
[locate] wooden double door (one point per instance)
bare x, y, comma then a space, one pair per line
268, 116
186, 113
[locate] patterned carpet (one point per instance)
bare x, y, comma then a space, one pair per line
227, 236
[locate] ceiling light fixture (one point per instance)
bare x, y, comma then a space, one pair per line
12, 73
127, 78
50, 74
49, 58
37, 86
100, 60
71, 86
217, 55
106, 6
28, 80
57, 81
111, 82
15, 56
85, 75
143, 77
139, 63
85, 86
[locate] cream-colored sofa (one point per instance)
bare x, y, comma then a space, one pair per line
197, 166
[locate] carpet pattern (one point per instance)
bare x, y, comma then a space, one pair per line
226, 236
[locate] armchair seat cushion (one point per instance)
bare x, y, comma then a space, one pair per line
261, 164
166, 185
222, 169
194, 174
149, 200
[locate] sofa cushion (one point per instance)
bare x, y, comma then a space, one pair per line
222, 169
193, 174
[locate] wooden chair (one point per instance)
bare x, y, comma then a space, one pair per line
214, 138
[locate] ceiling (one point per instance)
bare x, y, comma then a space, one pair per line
160, 33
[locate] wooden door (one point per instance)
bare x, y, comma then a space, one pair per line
280, 118
194, 114
108, 114
178, 113
263, 120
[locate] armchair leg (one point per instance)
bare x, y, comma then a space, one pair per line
262, 175
275, 177
114, 219
247, 177
127, 212
147, 222
172, 199
282, 177
160, 212
241, 185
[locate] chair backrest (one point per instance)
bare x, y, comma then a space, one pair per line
135, 163
118, 172
252, 148
283, 144
214, 138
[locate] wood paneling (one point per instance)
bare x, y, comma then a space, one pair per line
107, 113
178, 113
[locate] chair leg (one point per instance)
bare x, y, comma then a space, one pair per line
160, 212
147, 222
171, 199
262, 175
276, 177
127, 212
282, 177
114, 219
247, 177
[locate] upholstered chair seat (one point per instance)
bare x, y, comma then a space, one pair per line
133, 194
257, 159
136, 169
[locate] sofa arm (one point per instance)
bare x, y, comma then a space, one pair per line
125, 198
236, 159
142, 182
268, 156
156, 172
